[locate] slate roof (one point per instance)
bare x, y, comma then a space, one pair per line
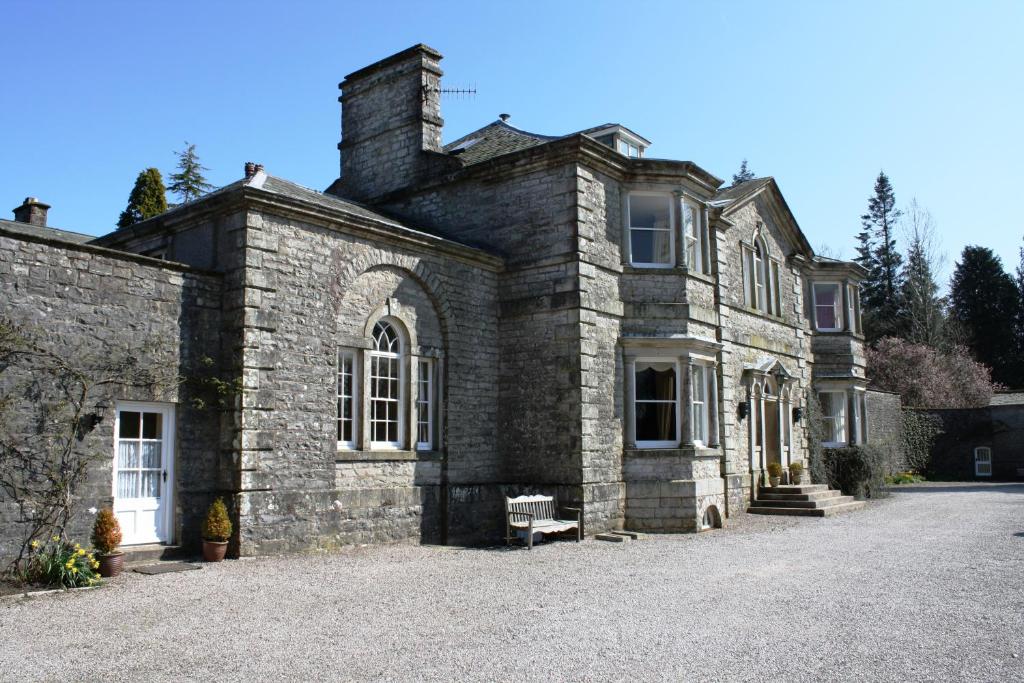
493, 140
48, 233
292, 190
740, 191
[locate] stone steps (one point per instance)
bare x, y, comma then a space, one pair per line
150, 553
808, 512
810, 500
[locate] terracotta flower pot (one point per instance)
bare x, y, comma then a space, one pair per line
214, 551
110, 565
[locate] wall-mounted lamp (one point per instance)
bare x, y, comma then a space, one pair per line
742, 409
798, 414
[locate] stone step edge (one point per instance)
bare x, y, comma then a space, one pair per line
611, 537
806, 504
808, 512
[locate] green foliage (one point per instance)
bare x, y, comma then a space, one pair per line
61, 564
796, 468
210, 390
815, 430
985, 300
217, 525
904, 478
189, 183
774, 469
106, 532
920, 429
147, 199
743, 175
857, 471
882, 288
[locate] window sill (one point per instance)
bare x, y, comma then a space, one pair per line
698, 452
387, 456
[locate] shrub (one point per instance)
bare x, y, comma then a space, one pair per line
217, 526
920, 429
904, 478
774, 469
927, 377
857, 471
62, 564
796, 468
106, 532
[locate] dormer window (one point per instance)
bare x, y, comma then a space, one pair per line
628, 148
621, 139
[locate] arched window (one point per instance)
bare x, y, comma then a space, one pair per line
386, 386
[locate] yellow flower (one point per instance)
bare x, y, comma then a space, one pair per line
34, 544
78, 546
74, 570
95, 565
81, 552
56, 538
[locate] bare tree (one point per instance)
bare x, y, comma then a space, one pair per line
922, 318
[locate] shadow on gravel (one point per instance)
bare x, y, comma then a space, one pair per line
1019, 534
960, 488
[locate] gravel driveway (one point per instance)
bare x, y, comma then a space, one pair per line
926, 585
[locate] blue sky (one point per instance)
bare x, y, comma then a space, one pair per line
821, 95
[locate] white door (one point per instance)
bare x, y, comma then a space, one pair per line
143, 459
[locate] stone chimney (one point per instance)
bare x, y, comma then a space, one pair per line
32, 211
391, 123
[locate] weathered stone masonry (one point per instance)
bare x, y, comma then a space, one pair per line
502, 263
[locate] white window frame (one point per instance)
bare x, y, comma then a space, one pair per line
376, 355
853, 307
354, 399
759, 293
775, 281
678, 375
700, 429
839, 421
627, 148
978, 462
837, 306
425, 402
696, 248
671, 230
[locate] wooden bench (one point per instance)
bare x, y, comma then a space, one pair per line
536, 514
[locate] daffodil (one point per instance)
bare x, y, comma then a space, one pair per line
80, 552
56, 538
34, 544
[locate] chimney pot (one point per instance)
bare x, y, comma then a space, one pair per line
504, 117
259, 168
250, 170
32, 211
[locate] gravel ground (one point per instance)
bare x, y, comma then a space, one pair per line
926, 585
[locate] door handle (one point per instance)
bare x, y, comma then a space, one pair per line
165, 476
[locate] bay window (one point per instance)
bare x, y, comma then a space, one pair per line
651, 239
700, 376
853, 308
656, 403
833, 417
696, 241
828, 308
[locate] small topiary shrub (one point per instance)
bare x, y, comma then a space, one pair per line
857, 471
106, 532
217, 525
774, 469
796, 469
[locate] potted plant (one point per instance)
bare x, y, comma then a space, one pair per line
216, 532
774, 473
796, 472
106, 536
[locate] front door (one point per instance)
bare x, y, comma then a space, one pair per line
143, 459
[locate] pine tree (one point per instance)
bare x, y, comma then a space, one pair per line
922, 319
744, 174
985, 300
147, 199
882, 287
189, 183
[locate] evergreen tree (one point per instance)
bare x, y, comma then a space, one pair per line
922, 319
984, 299
882, 287
189, 183
147, 199
744, 174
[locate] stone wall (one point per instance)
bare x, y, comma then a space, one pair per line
324, 290
87, 300
998, 427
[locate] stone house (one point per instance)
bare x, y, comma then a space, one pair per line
448, 323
